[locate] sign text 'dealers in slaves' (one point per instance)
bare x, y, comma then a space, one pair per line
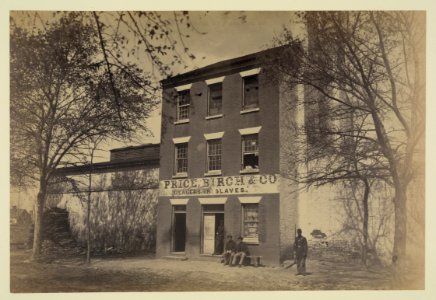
228, 185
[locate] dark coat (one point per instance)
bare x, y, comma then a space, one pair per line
242, 247
300, 246
230, 246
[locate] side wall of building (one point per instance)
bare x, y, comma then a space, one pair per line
289, 154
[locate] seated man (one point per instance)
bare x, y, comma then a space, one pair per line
240, 252
229, 250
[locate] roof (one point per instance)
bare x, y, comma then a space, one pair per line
145, 151
222, 68
131, 157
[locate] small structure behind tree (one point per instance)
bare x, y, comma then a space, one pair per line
123, 200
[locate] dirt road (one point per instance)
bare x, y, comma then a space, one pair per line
149, 274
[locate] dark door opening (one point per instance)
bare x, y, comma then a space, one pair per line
179, 233
219, 233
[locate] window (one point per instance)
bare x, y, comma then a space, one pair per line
214, 106
183, 102
251, 92
250, 152
214, 155
181, 158
250, 222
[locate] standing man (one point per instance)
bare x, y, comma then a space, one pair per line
219, 239
241, 252
300, 252
229, 250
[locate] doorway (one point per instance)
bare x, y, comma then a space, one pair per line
179, 228
213, 229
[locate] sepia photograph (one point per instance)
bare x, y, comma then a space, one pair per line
217, 150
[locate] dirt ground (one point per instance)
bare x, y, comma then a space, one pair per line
150, 274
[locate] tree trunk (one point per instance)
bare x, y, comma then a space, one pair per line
399, 251
37, 234
88, 229
88, 214
365, 222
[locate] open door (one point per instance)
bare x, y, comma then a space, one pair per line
179, 229
208, 233
213, 229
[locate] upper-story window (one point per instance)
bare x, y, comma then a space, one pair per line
250, 152
250, 92
214, 155
183, 103
181, 158
215, 99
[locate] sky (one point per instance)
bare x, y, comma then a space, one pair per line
220, 36
214, 36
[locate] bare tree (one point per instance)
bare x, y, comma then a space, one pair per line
60, 99
366, 67
76, 75
366, 222
93, 147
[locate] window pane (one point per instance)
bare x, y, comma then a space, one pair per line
251, 220
184, 98
250, 143
214, 154
250, 152
215, 99
181, 158
251, 92
183, 102
183, 112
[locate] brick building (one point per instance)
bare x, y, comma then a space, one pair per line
223, 160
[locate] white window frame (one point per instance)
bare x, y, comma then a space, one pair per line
183, 89
176, 171
212, 136
243, 153
209, 171
244, 75
244, 202
220, 114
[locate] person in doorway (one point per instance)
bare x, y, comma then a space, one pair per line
219, 238
229, 250
241, 252
300, 252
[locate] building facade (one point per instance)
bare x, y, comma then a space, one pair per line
222, 163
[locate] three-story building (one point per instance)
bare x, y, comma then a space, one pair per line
224, 150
